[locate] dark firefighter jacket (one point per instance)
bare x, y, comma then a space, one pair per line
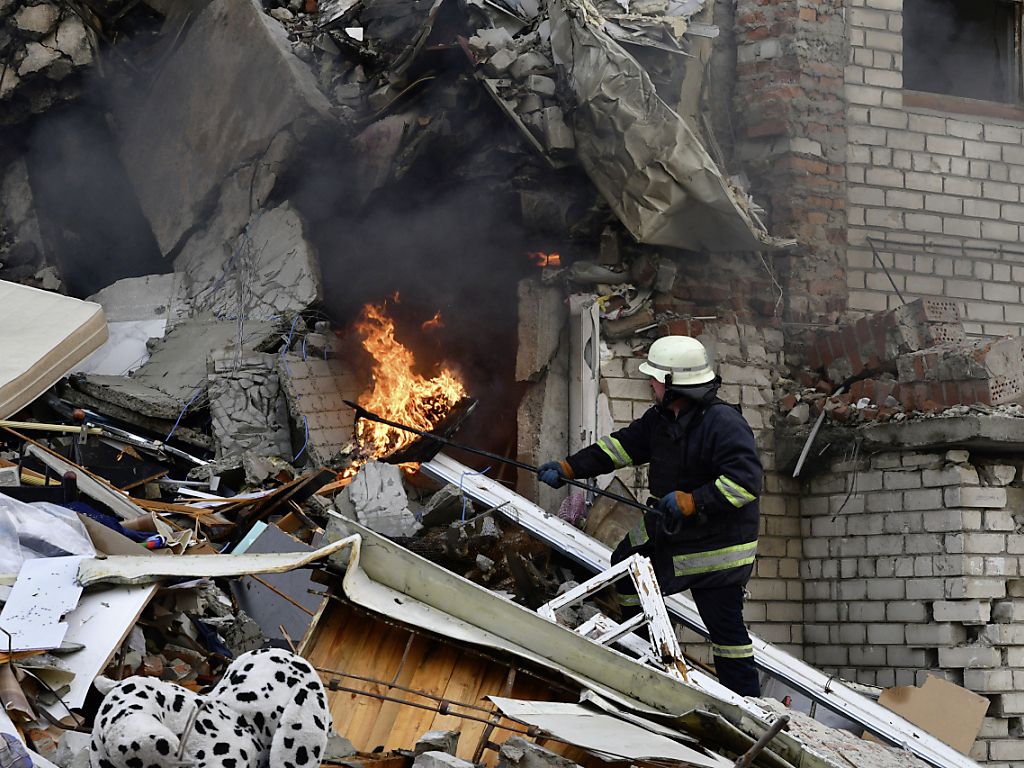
708, 451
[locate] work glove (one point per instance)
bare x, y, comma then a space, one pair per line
678, 504
554, 473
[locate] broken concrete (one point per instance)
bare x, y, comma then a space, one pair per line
206, 116
517, 752
542, 313
543, 424
174, 378
247, 406
272, 271
444, 507
44, 45
376, 498
438, 741
152, 297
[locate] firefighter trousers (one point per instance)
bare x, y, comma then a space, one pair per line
721, 608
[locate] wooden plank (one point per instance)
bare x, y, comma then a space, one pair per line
432, 677
380, 662
392, 711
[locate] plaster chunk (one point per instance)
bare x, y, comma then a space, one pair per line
37, 58
74, 41
9, 81
376, 498
37, 19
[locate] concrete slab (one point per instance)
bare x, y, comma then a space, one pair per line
992, 433
206, 115
177, 367
272, 271
152, 297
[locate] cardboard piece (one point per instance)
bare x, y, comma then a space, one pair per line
948, 712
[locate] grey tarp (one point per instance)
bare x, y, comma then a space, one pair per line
640, 154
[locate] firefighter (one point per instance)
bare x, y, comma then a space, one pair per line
705, 476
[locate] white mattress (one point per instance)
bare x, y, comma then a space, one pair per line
44, 336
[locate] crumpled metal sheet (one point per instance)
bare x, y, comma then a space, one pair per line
640, 154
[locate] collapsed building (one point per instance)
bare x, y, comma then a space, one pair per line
528, 195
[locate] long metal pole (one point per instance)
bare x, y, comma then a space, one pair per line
362, 413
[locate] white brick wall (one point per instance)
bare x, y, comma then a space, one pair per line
944, 189
921, 576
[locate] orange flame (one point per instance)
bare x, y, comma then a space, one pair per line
542, 259
398, 393
433, 323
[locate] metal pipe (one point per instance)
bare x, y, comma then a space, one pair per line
747, 758
362, 413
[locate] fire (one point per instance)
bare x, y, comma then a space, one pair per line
545, 259
433, 323
398, 393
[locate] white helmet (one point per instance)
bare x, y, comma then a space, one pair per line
681, 357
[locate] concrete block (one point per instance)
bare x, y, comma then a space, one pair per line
1004, 634
984, 543
438, 741
902, 657
886, 589
935, 635
1009, 704
906, 611
1008, 611
942, 520
517, 752
985, 497
542, 315
962, 611
1011, 750
926, 589
885, 634
959, 588
970, 657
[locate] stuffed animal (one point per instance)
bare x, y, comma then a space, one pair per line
269, 709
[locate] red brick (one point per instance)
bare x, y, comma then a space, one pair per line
951, 393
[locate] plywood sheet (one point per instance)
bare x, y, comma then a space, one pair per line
349, 640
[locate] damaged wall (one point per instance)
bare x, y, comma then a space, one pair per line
791, 119
912, 565
940, 185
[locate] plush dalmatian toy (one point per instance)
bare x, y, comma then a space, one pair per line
269, 709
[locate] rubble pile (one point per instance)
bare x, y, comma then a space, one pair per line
911, 362
43, 47
200, 489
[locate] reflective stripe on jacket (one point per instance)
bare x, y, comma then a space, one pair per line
710, 453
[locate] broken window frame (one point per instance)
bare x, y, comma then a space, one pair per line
1011, 63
